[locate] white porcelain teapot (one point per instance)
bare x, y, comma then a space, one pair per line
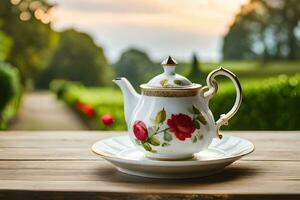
171, 119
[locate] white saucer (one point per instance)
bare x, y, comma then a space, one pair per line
122, 153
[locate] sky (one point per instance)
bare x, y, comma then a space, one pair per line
159, 27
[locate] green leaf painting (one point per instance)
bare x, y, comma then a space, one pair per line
154, 141
147, 146
164, 83
178, 82
196, 110
197, 124
160, 116
167, 136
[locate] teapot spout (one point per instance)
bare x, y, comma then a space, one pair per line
131, 97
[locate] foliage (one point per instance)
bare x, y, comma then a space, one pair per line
136, 66
5, 46
103, 101
270, 104
195, 74
10, 93
8, 88
27, 23
264, 29
60, 87
77, 58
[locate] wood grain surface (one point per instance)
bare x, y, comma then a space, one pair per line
60, 165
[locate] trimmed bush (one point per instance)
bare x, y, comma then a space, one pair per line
61, 87
271, 104
10, 93
8, 84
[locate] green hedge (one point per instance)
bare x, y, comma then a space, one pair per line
10, 93
270, 104
62, 87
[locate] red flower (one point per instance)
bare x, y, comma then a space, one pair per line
140, 130
78, 105
87, 109
107, 119
182, 125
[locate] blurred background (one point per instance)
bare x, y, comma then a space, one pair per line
57, 58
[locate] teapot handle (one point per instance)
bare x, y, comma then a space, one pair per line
212, 90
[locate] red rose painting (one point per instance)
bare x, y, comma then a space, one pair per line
140, 130
181, 125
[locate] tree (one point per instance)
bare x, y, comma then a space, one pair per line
5, 46
237, 43
77, 58
136, 66
264, 29
27, 23
195, 74
6, 74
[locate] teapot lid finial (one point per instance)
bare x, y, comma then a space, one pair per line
169, 62
169, 79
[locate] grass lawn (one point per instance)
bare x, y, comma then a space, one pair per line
249, 69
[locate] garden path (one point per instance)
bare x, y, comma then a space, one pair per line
42, 111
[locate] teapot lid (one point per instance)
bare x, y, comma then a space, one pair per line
169, 79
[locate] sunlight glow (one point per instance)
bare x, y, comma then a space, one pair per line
15, 2
39, 13
25, 16
142, 21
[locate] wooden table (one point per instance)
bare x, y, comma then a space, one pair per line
60, 165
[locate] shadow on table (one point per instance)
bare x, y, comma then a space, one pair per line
228, 174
